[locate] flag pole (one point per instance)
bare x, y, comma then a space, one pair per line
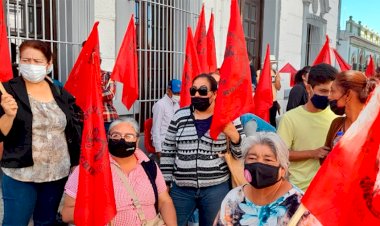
297, 215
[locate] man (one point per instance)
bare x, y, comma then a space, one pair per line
276, 86
163, 111
304, 129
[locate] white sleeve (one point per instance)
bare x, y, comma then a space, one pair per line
158, 114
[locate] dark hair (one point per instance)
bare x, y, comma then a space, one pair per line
300, 73
211, 80
357, 82
38, 45
321, 74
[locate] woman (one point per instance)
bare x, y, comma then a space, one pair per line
190, 159
41, 140
298, 95
269, 198
129, 165
349, 93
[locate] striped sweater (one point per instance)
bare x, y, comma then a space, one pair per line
190, 161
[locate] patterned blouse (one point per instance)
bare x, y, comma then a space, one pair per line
236, 209
49, 147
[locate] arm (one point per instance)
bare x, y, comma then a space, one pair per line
277, 81
166, 208
308, 154
9, 110
109, 90
169, 151
158, 113
235, 132
68, 209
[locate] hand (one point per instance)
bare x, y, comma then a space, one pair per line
231, 132
320, 153
9, 105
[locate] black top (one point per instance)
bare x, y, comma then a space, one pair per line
297, 96
202, 125
18, 143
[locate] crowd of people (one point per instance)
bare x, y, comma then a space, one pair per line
40, 144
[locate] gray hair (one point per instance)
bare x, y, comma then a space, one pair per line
131, 121
273, 141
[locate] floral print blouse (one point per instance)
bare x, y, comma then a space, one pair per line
237, 210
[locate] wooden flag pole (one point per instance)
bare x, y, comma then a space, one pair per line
297, 215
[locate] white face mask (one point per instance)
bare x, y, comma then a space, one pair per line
176, 98
50, 69
33, 73
274, 67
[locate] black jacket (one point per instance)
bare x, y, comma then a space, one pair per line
297, 96
18, 143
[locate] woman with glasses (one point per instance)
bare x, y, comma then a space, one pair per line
190, 159
134, 176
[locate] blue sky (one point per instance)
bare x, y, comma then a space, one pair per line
366, 11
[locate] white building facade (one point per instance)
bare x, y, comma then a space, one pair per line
295, 30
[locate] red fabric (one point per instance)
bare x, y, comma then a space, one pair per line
234, 95
344, 66
6, 65
343, 192
200, 39
211, 51
370, 70
288, 68
324, 55
148, 136
191, 69
263, 96
95, 202
125, 69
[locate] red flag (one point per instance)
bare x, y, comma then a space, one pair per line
200, 39
191, 69
6, 65
211, 51
370, 70
263, 96
324, 56
234, 95
344, 66
125, 69
95, 202
343, 193
288, 68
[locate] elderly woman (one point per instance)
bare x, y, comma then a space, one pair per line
269, 198
129, 169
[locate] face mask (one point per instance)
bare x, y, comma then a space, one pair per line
274, 67
320, 102
200, 103
337, 110
33, 73
261, 175
175, 98
121, 148
50, 69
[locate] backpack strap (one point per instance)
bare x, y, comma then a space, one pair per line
150, 169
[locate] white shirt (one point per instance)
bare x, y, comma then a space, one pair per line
163, 111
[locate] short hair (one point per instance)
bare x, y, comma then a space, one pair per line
38, 45
131, 121
273, 141
321, 74
211, 80
357, 82
300, 73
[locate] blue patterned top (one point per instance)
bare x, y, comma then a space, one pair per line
237, 210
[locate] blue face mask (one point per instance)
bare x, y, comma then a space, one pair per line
319, 101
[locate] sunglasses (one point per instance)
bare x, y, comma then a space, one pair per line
203, 91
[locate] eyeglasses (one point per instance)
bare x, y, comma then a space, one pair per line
203, 90
126, 136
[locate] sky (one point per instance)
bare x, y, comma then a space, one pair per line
366, 11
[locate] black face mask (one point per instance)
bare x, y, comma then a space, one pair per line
320, 102
200, 103
121, 148
337, 110
261, 175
